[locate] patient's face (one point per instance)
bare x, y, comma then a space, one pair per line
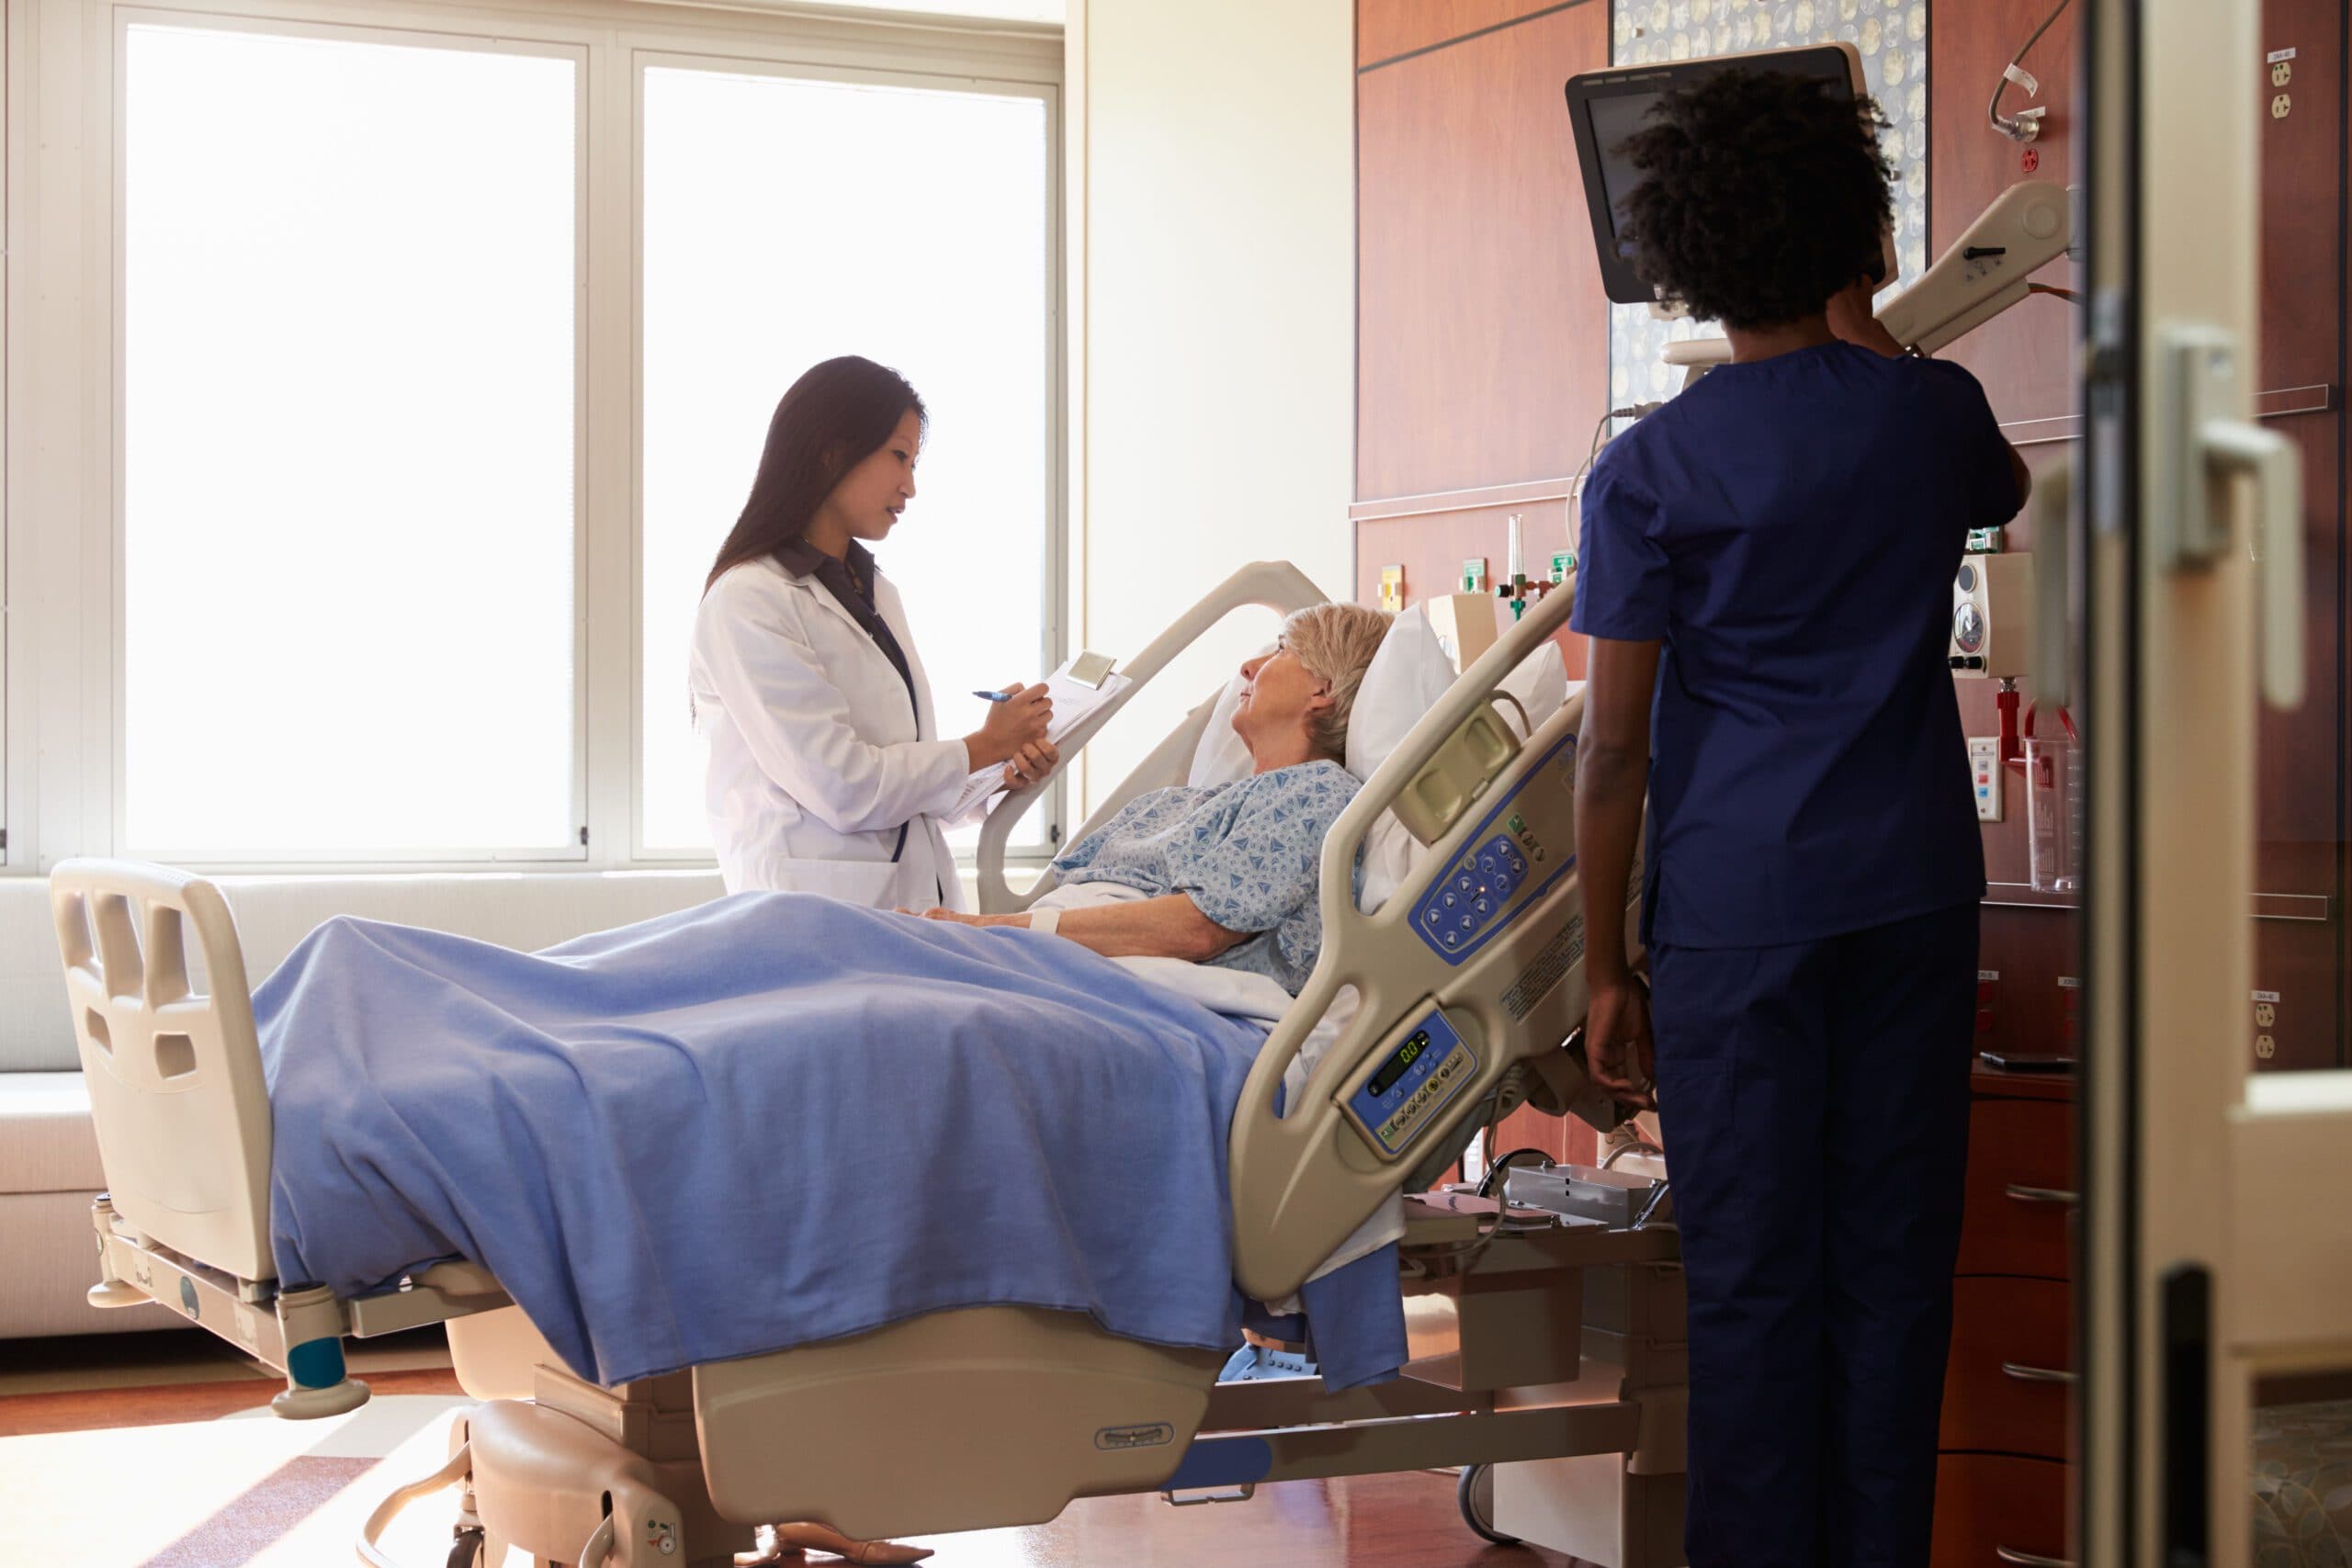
1277, 693
870, 497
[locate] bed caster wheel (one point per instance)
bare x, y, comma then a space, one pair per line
468, 1551
1475, 1494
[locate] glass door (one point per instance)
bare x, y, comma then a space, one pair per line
2215, 1325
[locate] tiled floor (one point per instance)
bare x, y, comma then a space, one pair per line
157, 1450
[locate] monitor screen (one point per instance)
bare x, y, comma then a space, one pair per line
1607, 107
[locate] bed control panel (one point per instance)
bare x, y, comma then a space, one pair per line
1506, 865
1416, 1074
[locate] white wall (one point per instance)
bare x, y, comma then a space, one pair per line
1211, 168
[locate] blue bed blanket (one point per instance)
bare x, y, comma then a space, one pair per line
767, 1122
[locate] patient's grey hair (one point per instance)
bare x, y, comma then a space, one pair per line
1336, 643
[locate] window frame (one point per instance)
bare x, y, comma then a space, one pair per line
62, 715
576, 849
1054, 591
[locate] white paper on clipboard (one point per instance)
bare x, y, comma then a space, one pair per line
1074, 703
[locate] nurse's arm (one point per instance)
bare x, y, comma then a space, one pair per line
1612, 776
2023, 475
1171, 926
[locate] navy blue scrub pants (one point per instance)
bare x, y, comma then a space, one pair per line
1813, 1099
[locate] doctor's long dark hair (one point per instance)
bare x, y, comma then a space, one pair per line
833, 418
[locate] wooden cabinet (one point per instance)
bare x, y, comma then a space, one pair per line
2007, 1388
2020, 1186
1998, 1509
2001, 1482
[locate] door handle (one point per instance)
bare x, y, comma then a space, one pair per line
2024, 1194
2053, 605
2185, 1413
2024, 1373
2198, 398
2276, 467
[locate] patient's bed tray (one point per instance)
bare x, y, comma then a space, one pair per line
1543, 1341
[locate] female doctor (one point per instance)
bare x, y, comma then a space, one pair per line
825, 773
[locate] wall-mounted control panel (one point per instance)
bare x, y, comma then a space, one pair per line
1992, 617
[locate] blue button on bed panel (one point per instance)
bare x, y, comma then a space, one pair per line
1489, 875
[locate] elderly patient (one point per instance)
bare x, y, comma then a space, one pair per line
1227, 873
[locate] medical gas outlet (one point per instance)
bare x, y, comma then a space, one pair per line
1992, 617
1984, 776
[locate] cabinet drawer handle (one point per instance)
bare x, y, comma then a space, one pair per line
2035, 1374
2025, 1195
2028, 1559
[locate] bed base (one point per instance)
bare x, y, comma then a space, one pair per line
1553, 1355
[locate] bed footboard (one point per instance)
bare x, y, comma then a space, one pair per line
164, 1021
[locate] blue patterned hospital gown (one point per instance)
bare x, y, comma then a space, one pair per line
1249, 853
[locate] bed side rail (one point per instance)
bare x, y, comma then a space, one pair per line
1278, 585
175, 1074
1440, 1024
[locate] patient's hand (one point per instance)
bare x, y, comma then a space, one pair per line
936, 913
1031, 764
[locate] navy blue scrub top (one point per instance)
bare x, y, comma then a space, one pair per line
1789, 529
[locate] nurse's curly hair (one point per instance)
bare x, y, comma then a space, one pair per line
1763, 194
1336, 643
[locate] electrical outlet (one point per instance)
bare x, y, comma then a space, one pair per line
1985, 775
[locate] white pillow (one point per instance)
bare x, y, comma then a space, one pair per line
1221, 758
1405, 680
1540, 683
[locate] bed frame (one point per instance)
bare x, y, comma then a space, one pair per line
1548, 1347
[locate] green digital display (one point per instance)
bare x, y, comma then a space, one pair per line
1398, 1066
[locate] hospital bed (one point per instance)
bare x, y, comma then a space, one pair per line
1545, 1344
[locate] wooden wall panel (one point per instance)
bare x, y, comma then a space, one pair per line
1482, 341
2025, 361
1386, 29
2301, 757
2026, 357
2030, 949
2302, 176
1432, 546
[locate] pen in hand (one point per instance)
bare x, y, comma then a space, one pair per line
994, 697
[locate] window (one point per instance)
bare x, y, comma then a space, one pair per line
787, 221
347, 395
400, 374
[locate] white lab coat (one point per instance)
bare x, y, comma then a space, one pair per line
815, 760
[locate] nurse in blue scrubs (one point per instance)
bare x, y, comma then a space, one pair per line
1766, 579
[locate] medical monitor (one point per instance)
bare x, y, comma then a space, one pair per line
1607, 107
